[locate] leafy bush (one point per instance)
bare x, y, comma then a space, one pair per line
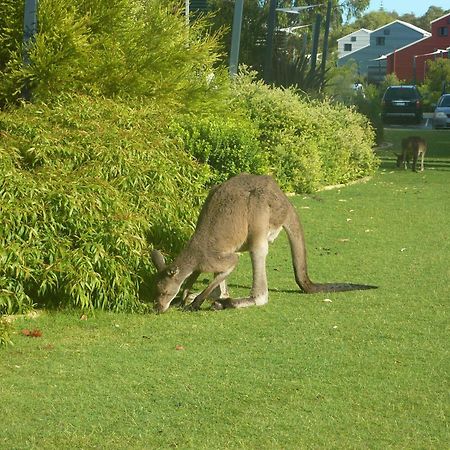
367, 101
5, 331
308, 143
297, 72
84, 186
228, 145
126, 47
369, 104
436, 82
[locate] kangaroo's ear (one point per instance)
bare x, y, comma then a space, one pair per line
158, 260
172, 271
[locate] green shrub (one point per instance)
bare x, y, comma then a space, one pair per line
369, 104
5, 331
437, 82
85, 184
125, 47
308, 143
227, 144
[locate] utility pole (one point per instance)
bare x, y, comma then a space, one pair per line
325, 39
269, 42
29, 32
29, 25
315, 42
236, 36
186, 11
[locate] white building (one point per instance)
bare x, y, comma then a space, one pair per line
353, 41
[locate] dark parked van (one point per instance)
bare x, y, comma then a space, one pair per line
402, 102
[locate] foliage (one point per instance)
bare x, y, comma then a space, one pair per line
253, 51
369, 104
437, 80
366, 100
127, 48
229, 145
342, 80
5, 331
297, 72
307, 142
389, 80
84, 185
11, 26
432, 13
376, 19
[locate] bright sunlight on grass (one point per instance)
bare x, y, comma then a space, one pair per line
364, 369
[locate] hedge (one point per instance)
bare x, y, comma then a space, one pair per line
85, 185
309, 144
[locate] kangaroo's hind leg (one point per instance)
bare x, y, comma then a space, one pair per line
259, 294
414, 162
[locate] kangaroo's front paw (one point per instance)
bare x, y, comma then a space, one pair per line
189, 299
191, 307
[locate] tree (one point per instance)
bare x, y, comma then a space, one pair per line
254, 26
11, 28
375, 19
127, 48
433, 13
437, 79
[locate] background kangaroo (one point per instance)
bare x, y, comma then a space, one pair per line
412, 146
245, 213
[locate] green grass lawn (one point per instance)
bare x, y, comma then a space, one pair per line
364, 369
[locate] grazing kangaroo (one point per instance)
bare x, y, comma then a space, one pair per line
412, 146
245, 213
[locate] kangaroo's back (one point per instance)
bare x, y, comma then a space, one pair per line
238, 206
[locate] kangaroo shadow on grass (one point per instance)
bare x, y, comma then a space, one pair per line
242, 286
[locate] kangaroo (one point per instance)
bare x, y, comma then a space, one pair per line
412, 146
245, 213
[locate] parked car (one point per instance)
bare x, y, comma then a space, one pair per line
441, 116
402, 102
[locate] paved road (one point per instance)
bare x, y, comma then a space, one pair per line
426, 124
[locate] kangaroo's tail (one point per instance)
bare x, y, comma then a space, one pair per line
295, 234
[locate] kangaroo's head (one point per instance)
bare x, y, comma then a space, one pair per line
168, 282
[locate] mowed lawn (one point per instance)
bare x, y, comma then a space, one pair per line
363, 369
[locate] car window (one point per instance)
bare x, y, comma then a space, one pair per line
445, 101
400, 94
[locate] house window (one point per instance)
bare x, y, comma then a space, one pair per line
387, 32
380, 40
347, 47
443, 31
353, 38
